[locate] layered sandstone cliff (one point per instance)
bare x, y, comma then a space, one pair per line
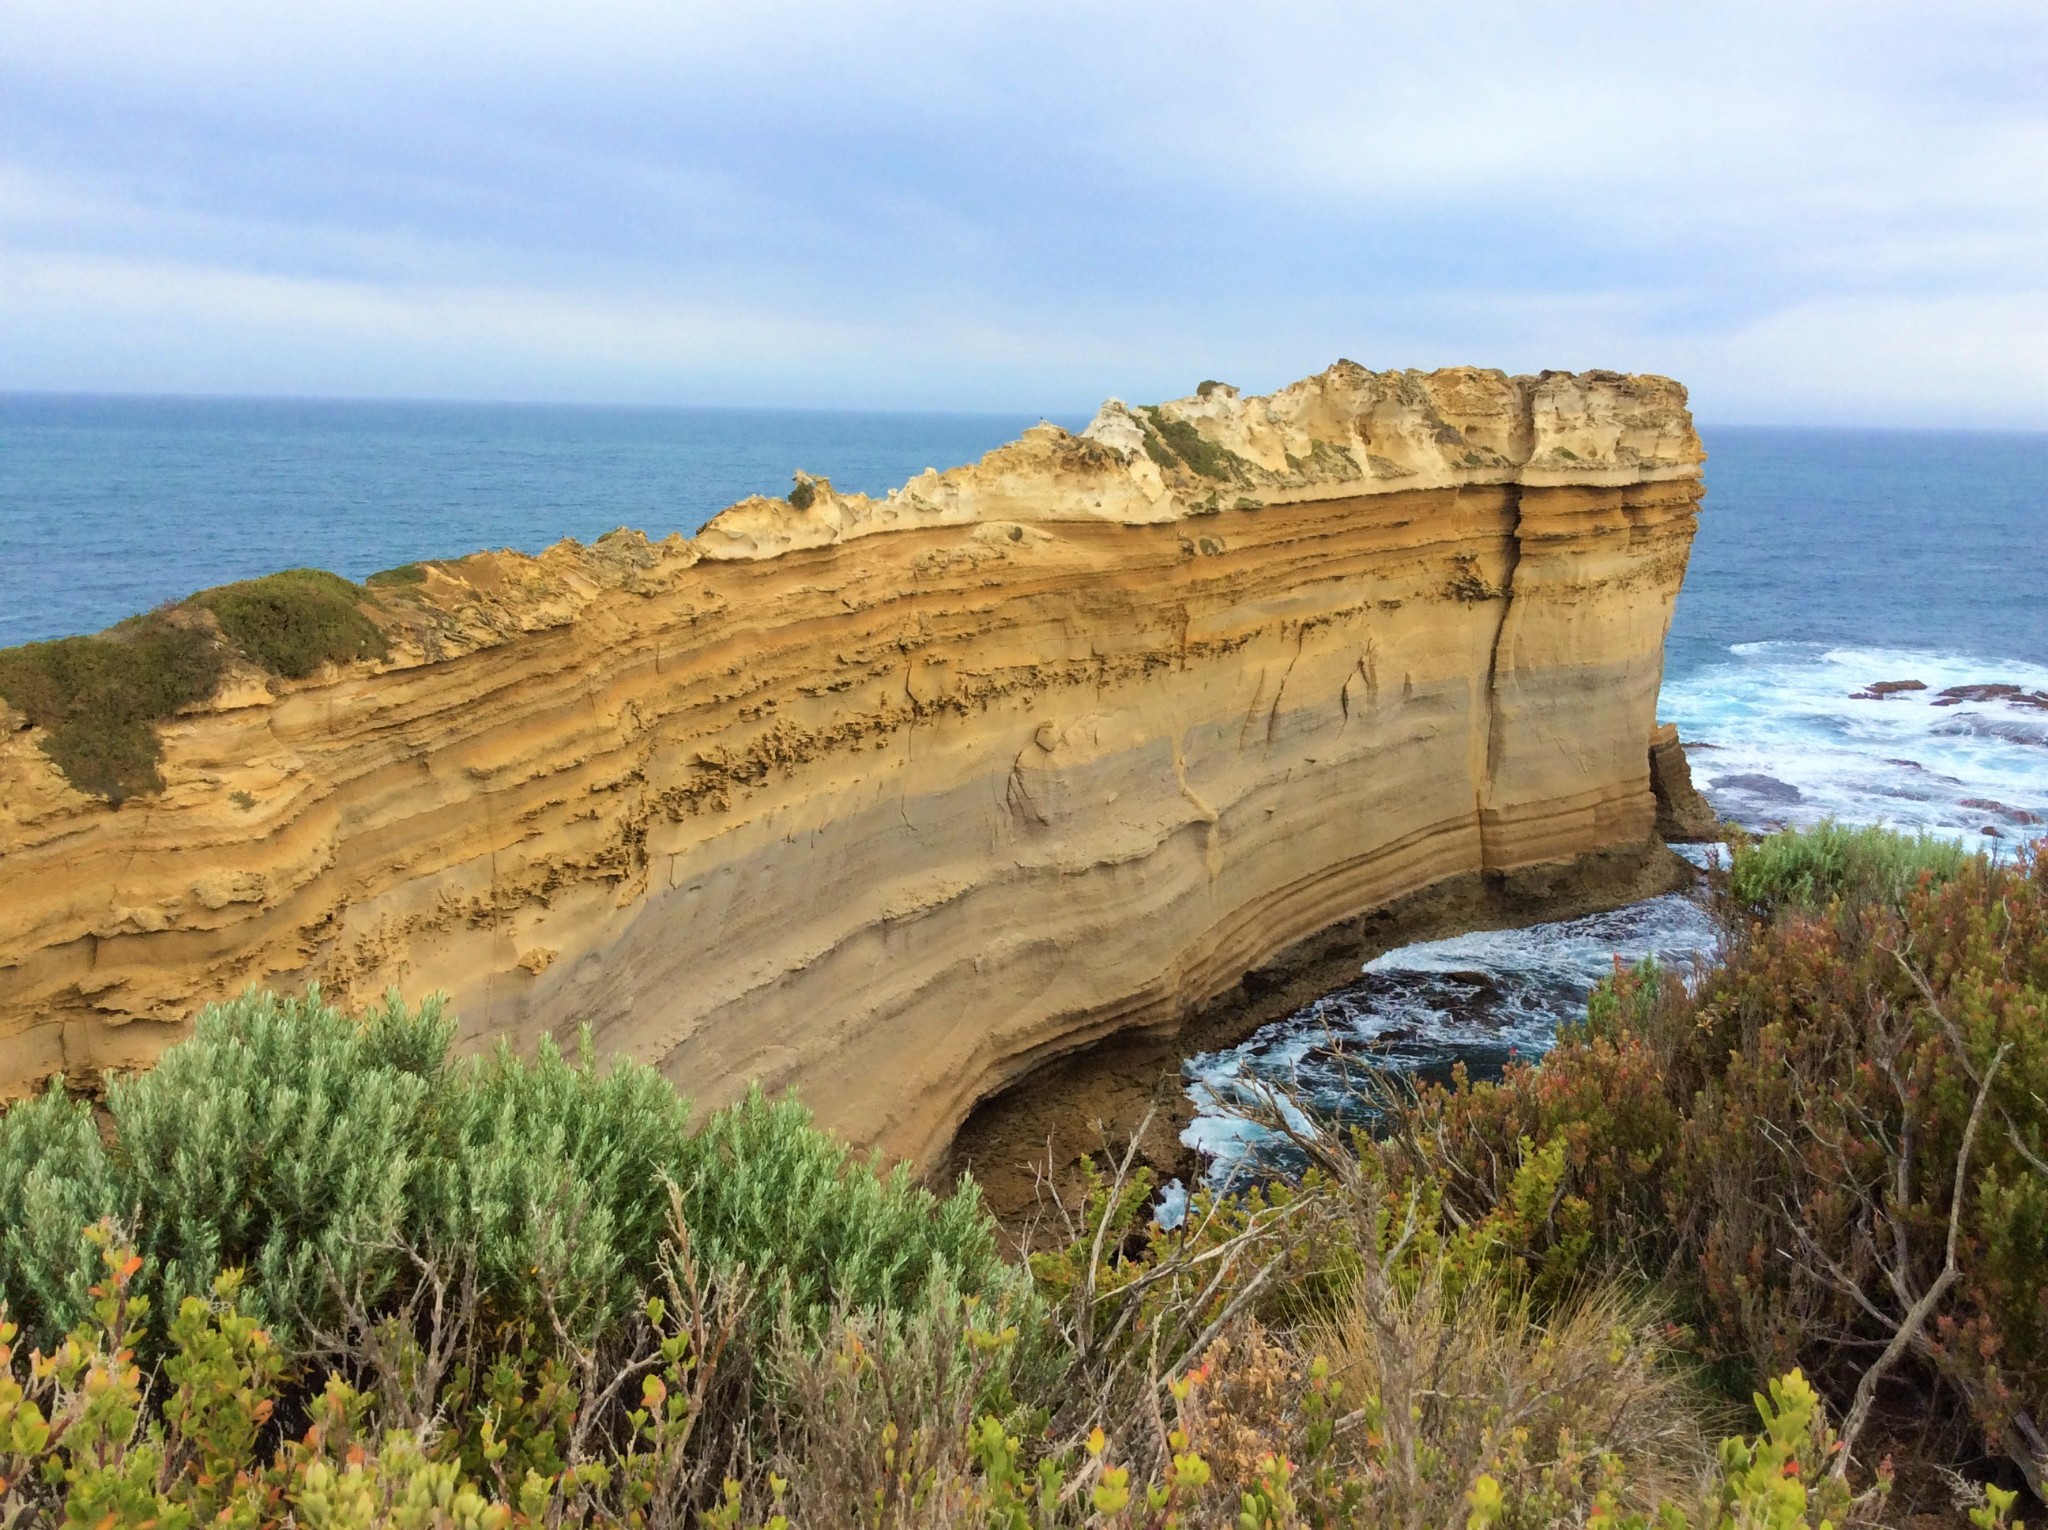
892, 800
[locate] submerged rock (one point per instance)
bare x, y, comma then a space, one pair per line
1763, 788
2012, 695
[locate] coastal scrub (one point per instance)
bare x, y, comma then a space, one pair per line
293, 622
98, 698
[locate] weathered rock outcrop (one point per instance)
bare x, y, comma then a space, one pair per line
893, 800
1682, 813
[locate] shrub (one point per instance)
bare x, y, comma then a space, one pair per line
293, 622
334, 1159
86, 1439
98, 698
766, 1191
553, 1176
1456, 1381
1882, 1102
55, 1182
1809, 868
283, 1139
1835, 1147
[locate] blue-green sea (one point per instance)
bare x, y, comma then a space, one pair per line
1826, 560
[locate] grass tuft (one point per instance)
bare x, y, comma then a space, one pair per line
292, 623
98, 698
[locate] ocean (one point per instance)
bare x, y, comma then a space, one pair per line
110, 506
1827, 560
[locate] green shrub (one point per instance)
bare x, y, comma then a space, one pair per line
55, 1182
555, 1173
404, 573
293, 622
97, 698
1168, 440
1809, 868
276, 1140
323, 1154
768, 1191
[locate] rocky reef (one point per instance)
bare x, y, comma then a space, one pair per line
896, 800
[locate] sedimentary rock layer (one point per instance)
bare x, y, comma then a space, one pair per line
892, 800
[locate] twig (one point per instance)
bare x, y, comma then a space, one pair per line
1908, 1331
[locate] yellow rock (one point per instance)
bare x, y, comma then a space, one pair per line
893, 799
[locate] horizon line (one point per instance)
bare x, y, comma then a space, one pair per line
82, 395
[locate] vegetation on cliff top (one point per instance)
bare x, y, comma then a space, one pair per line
293, 622
1173, 443
99, 699
319, 1272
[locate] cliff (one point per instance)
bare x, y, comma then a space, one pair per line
894, 800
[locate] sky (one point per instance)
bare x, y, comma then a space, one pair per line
1811, 213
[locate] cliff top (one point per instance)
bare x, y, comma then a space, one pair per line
1345, 431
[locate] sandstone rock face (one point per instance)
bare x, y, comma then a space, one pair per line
892, 800
1682, 813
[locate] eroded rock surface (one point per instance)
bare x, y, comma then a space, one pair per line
1683, 815
896, 799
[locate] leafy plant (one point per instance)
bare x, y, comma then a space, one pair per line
98, 698
553, 1175
766, 1191
293, 622
1809, 868
55, 1182
281, 1139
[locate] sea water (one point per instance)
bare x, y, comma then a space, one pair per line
110, 506
1826, 560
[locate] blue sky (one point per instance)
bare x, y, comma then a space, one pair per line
1810, 212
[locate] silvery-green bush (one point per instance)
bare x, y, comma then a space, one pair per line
327, 1156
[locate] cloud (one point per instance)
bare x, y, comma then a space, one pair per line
1025, 206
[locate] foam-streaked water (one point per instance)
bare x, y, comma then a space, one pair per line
1785, 733
1827, 561
1478, 999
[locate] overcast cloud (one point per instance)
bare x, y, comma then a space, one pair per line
1810, 212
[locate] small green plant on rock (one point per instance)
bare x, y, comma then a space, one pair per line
98, 698
293, 622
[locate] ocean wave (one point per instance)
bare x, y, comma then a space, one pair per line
1785, 733
1778, 733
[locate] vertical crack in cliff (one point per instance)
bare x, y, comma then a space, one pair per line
1495, 740
1273, 712
440, 822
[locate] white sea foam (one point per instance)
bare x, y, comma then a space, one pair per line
1776, 735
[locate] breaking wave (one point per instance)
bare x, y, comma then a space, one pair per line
1777, 734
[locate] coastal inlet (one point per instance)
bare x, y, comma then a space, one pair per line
1776, 734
